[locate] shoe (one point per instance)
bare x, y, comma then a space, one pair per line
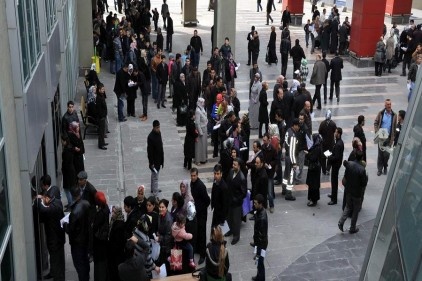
106, 144
252, 244
352, 231
403, 74
290, 198
277, 183
123, 120
311, 204
192, 264
379, 173
201, 260
243, 218
329, 195
252, 218
271, 210
385, 171
325, 101
48, 276
228, 234
253, 278
102, 147
340, 226
169, 97
248, 64
338, 99
266, 24
235, 240
332, 203
163, 105
158, 105
319, 107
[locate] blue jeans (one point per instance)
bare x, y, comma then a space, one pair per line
154, 85
271, 192
118, 62
68, 196
81, 262
409, 96
120, 106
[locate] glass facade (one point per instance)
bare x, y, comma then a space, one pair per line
51, 14
396, 250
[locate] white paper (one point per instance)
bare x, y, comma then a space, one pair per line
327, 153
225, 227
312, 116
409, 86
404, 49
255, 249
163, 272
243, 149
155, 171
216, 127
263, 253
269, 167
64, 220
309, 142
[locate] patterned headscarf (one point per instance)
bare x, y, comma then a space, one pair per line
187, 196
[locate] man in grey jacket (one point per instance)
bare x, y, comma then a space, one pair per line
318, 78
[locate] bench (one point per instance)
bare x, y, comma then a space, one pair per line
87, 120
182, 277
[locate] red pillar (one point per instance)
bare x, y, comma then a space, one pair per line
399, 10
296, 10
367, 26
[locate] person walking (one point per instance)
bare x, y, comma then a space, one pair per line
355, 180
313, 178
318, 78
270, 4
201, 122
379, 56
359, 133
263, 109
260, 236
336, 65
285, 47
170, 31
120, 89
286, 18
258, 5
386, 119
271, 54
335, 159
297, 54
254, 102
101, 109
155, 155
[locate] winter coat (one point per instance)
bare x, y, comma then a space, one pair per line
379, 55
179, 233
318, 73
263, 107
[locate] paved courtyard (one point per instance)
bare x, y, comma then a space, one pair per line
304, 243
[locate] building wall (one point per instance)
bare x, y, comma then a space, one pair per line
30, 94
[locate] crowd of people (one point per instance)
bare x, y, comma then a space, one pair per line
126, 249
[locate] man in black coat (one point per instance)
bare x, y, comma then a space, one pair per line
284, 102
51, 190
68, 117
50, 210
236, 182
194, 87
169, 41
286, 19
120, 88
285, 48
335, 159
202, 201
327, 129
336, 65
133, 268
78, 230
260, 179
219, 197
297, 54
260, 235
327, 69
196, 43
270, 160
250, 40
101, 109
356, 180
155, 153
162, 78
359, 133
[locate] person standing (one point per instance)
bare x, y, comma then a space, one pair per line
155, 155
327, 67
68, 117
100, 231
313, 178
120, 89
170, 31
145, 84
335, 159
219, 198
101, 109
162, 78
286, 19
259, 177
263, 109
356, 180
236, 181
189, 147
379, 56
218, 263
359, 133
285, 47
297, 54
269, 153
272, 56
290, 160
319, 73
260, 236
411, 77
202, 201
78, 231
132, 89
196, 43
306, 28
201, 122
336, 65
68, 169
164, 11
390, 51
255, 47
250, 40
386, 119
254, 102
327, 129
78, 146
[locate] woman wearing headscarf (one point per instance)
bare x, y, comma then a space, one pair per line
177, 203
254, 102
92, 76
77, 143
152, 212
116, 242
91, 104
180, 96
190, 211
100, 231
272, 56
191, 139
313, 178
201, 121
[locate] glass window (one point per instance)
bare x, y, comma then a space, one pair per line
7, 264
24, 46
1, 128
4, 208
50, 10
392, 269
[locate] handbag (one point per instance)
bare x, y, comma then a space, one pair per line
200, 274
183, 109
266, 57
176, 259
247, 206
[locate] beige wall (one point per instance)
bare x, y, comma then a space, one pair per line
84, 22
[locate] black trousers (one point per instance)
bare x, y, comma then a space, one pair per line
57, 263
325, 165
101, 131
353, 206
378, 68
334, 182
214, 137
201, 240
325, 90
296, 66
284, 61
255, 57
80, 261
337, 85
317, 96
249, 56
130, 107
169, 42
145, 105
